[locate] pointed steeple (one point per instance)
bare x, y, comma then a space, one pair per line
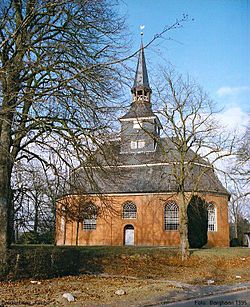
141, 76
140, 127
141, 90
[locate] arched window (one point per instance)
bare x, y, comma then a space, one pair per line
63, 213
90, 212
129, 210
171, 216
212, 223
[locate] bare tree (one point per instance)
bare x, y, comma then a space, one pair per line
60, 72
35, 191
57, 82
237, 180
76, 210
241, 169
195, 141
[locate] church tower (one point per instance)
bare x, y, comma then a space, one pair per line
140, 127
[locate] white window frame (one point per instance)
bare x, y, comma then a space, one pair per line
212, 218
63, 219
62, 223
137, 144
171, 216
140, 144
130, 212
89, 224
133, 144
137, 124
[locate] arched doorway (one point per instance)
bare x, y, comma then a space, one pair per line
129, 235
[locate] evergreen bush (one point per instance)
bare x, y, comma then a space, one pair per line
197, 222
234, 242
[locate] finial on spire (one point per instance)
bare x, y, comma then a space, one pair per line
142, 27
141, 82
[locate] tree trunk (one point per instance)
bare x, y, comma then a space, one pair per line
36, 217
11, 214
65, 230
236, 228
236, 219
183, 228
16, 232
6, 212
77, 232
3, 219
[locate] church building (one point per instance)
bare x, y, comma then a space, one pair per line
129, 187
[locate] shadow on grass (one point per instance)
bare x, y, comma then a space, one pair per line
47, 261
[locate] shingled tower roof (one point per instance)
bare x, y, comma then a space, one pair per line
141, 75
141, 91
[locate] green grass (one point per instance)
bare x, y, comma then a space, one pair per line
227, 252
101, 250
131, 250
44, 261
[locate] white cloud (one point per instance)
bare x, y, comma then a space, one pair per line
234, 118
232, 90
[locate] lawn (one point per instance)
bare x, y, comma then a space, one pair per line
35, 261
143, 272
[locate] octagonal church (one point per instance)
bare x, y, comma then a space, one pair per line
128, 194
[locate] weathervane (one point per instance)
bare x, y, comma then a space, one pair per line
142, 27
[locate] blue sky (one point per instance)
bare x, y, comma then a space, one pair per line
214, 48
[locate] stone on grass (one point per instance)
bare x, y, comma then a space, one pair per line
120, 292
35, 282
69, 297
210, 282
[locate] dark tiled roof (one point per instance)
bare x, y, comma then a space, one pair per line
138, 109
148, 172
147, 179
165, 152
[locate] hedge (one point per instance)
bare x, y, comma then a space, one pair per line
42, 262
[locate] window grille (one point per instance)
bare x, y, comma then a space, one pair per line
63, 212
129, 211
212, 224
137, 144
62, 223
141, 144
89, 223
133, 145
171, 216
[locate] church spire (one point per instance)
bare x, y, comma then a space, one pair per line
141, 89
140, 126
141, 76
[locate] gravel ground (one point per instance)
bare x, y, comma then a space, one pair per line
87, 290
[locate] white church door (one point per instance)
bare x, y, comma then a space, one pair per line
129, 235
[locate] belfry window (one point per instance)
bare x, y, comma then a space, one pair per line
137, 124
141, 144
133, 144
129, 210
171, 216
212, 223
137, 144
